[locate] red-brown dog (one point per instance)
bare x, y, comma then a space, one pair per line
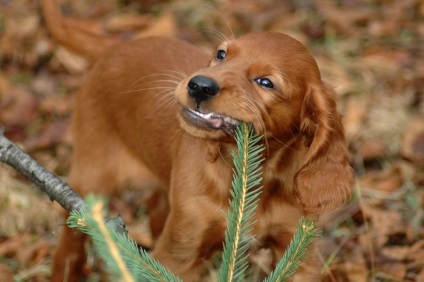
159, 110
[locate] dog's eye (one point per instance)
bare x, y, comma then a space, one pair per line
265, 82
221, 54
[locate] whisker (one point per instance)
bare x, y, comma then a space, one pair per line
257, 117
168, 91
262, 107
217, 12
257, 109
181, 74
150, 88
165, 101
169, 81
250, 105
164, 83
216, 34
286, 145
175, 78
154, 74
163, 93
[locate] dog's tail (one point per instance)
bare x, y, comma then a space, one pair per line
76, 37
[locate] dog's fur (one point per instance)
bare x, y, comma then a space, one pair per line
128, 125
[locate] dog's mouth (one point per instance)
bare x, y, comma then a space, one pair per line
210, 120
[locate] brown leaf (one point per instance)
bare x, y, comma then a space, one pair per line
33, 252
371, 149
345, 19
416, 252
388, 180
12, 245
58, 106
23, 26
398, 253
127, 23
356, 269
164, 26
393, 271
412, 145
6, 273
56, 132
420, 276
17, 109
4, 86
353, 118
73, 62
383, 223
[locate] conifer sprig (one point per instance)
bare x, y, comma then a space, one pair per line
305, 234
127, 263
244, 201
120, 252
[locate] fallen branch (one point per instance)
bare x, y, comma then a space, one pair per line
53, 186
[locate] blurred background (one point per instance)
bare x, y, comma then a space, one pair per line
371, 51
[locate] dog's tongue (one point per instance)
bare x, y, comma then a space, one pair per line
215, 122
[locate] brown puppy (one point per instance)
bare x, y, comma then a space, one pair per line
157, 110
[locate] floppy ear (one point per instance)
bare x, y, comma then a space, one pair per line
324, 180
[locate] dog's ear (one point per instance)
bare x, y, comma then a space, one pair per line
325, 179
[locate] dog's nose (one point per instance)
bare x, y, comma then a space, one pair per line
202, 88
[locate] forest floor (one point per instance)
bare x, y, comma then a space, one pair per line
371, 51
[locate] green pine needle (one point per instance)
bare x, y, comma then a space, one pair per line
125, 261
305, 234
245, 195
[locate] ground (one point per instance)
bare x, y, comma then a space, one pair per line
371, 51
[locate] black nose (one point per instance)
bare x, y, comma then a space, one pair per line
202, 88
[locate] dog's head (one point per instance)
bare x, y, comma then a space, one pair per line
271, 80
260, 78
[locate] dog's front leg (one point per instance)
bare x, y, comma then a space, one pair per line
199, 195
70, 256
193, 232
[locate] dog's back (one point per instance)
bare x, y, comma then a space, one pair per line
124, 126
141, 75
125, 130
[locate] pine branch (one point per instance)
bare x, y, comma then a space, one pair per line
123, 255
305, 234
125, 261
245, 195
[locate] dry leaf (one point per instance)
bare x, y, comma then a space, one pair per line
416, 252
353, 117
73, 62
385, 181
17, 109
164, 26
412, 146
6, 273
371, 149
398, 253
383, 223
393, 271
356, 269
128, 23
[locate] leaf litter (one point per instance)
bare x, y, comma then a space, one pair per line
371, 51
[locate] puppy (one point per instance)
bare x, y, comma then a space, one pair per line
158, 111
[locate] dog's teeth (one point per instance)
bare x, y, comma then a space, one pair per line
230, 121
207, 116
214, 118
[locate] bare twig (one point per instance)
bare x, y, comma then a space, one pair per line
53, 186
49, 183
